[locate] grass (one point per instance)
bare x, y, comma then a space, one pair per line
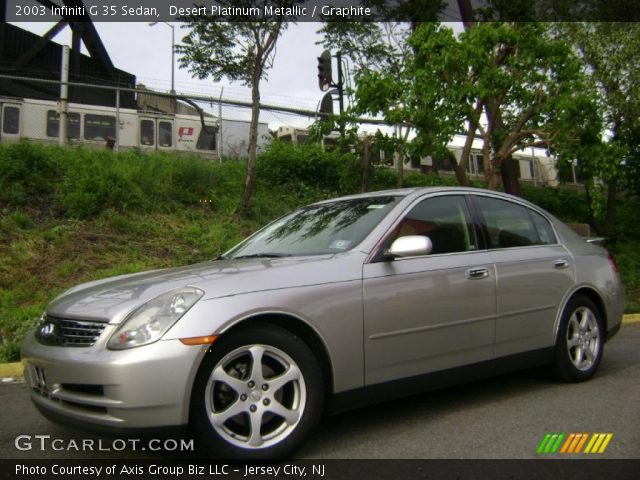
71, 216
51, 255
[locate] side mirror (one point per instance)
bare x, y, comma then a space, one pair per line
410, 246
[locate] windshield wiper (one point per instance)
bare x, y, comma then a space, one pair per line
263, 255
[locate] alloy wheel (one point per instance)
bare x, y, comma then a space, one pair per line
583, 338
255, 396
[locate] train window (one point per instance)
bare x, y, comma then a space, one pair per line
53, 124
147, 132
165, 134
11, 120
99, 127
207, 140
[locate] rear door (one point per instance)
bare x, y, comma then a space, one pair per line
534, 272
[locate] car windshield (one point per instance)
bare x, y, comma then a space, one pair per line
317, 229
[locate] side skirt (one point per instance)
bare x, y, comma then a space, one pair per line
382, 392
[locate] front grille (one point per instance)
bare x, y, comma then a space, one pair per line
81, 388
64, 332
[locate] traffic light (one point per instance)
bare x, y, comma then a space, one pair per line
326, 104
324, 71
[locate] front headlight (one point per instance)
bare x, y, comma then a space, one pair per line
149, 322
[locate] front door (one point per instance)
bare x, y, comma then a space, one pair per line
431, 312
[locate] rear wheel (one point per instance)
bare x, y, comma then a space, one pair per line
258, 394
580, 341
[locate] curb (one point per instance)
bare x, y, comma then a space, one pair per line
631, 318
15, 369
10, 369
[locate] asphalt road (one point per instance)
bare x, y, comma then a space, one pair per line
505, 417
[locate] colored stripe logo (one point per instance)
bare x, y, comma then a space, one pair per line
574, 443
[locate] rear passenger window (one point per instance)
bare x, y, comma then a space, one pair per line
445, 220
507, 224
545, 232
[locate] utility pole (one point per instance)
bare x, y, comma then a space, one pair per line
340, 87
64, 96
173, 53
220, 148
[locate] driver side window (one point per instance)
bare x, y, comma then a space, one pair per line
445, 220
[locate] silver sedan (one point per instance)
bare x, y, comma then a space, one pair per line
337, 304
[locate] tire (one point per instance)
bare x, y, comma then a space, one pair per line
232, 398
580, 341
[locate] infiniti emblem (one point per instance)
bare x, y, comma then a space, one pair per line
47, 330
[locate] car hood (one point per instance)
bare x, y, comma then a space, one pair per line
112, 299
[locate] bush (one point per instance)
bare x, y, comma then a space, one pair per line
81, 182
307, 165
27, 173
569, 205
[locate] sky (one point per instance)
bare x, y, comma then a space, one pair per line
145, 51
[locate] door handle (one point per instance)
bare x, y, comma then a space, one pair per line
477, 273
560, 263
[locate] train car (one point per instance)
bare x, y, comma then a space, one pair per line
535, 165
100, 127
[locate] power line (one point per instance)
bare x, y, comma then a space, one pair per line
196, 98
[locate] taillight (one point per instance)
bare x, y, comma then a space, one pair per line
612, 262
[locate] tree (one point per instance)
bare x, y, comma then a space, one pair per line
240, 51
515, 84
609, 160
375, 50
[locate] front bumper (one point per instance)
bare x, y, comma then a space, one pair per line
144, 387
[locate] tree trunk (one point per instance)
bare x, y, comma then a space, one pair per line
494, 180
461, 171
591, 218
610, 218
402, 155
461, 174
506, 166
253, 139
400, 169
509, 173
366, 163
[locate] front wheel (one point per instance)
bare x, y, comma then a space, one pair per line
580, 341
258, 394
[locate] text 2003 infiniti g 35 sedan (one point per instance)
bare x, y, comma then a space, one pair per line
323, 309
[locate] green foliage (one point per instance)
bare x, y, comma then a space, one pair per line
303, 166
628, 259
26, 172
81, 183
240, 50
565, 203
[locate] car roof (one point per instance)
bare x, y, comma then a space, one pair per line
405, 192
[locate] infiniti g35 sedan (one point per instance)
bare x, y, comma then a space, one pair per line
322, 310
